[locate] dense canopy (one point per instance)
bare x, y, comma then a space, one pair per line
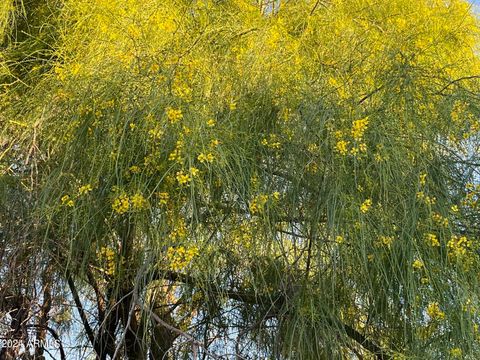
281, 180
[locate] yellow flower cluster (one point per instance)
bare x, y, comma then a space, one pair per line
366, 205
176, 154
272, 142
85, 189
139, 202
472, 197
180, 230
456, 352
214, 143
184, 178
156, 133
211, 122
121, 204
258, 203
432, 239
181, 89
358, 128
357, 133
429, 200
67, 201
440, 220
206, 158
417, 264
108, 254
163, 198
174, 115
312, 148
342, 147
179, 257
422, 179
134, 169
458, 110
458, 246
312, 167
242, 236
434, 312
384, 241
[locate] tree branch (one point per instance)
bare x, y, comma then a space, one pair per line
81, 313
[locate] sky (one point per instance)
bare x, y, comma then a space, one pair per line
476, 5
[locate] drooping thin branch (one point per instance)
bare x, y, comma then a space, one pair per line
81, 313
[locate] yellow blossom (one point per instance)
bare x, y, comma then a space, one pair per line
440, 220
155, 133
378, 158
194, 171
211, 122
432, 239
272, 142
180, 257
385, 241
176, 154
163, 196
85, 189
121, 204
342, 147
366, 205
67, 201
183, 178
423, 179
417, 264
258, 203
434, 312
458, 246
138, 202
174, 115
203, 158
312, 148
359, 127
456, 352
134, 169
108, 254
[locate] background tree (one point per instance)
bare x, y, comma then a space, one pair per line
232, 178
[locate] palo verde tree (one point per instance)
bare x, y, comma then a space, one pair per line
281, 180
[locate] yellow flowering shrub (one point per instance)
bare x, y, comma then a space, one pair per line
320, 153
